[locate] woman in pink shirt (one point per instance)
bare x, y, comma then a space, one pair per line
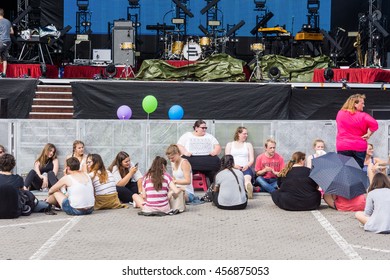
354, 128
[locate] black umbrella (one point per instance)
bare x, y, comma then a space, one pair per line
340, 175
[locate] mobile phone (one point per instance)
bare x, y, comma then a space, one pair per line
136, 165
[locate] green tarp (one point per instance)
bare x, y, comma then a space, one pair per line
224, 68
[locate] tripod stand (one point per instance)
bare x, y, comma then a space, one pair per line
257, 73
127, 71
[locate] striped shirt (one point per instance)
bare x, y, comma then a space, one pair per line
156, 198
106, 188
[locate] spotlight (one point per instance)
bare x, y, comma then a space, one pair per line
83, 5
274, 73
260, 4
110, 71
328, 75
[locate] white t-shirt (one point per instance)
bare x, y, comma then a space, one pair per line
240, 155
198, 145
117, 176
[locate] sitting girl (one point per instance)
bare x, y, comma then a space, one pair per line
155, 188
44, 174
376, 215
106, 196
297, 191
231, 194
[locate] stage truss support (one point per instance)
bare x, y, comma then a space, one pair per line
376, 34
134, 15
22, 5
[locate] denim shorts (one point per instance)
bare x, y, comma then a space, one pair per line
73, 211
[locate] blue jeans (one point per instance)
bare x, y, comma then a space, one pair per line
73, 211
267, 185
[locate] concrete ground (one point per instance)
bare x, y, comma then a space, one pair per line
261, 232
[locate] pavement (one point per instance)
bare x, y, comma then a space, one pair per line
260, 232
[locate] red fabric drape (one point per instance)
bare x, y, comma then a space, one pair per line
355, 75
31, 70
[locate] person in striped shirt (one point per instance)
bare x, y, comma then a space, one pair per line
156, 185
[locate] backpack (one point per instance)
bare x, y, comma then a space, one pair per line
28, 201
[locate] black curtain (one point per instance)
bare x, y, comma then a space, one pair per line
230, 101
20, 94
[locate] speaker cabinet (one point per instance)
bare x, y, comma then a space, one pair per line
123, 47
3, 108
82, 49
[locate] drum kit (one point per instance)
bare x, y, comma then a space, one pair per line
127, 71
258, 49
192, 48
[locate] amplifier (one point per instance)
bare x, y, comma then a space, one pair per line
123, 23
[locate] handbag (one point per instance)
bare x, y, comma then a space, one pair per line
179, 202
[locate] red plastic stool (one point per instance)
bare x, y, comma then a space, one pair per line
199, 181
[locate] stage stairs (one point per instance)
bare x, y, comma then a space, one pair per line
52, 102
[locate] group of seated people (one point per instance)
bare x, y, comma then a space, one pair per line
87, 185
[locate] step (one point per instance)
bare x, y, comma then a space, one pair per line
53, 96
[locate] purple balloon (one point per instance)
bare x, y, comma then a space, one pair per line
124, 112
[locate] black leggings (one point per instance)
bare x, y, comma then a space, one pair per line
209, 165
34, 182
125, 193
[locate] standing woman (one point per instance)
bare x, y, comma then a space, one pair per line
127, 177
106, 196
243, 155
376, 215
78, 152
44, 174
354, 128
231, 194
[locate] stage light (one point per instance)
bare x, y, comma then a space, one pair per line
110, 71
83, 5
313, 6
328, 75
274, 74
260, 4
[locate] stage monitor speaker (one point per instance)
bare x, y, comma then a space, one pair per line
82, 49
3, 108
123, 47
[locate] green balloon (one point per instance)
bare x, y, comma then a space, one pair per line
149, 104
